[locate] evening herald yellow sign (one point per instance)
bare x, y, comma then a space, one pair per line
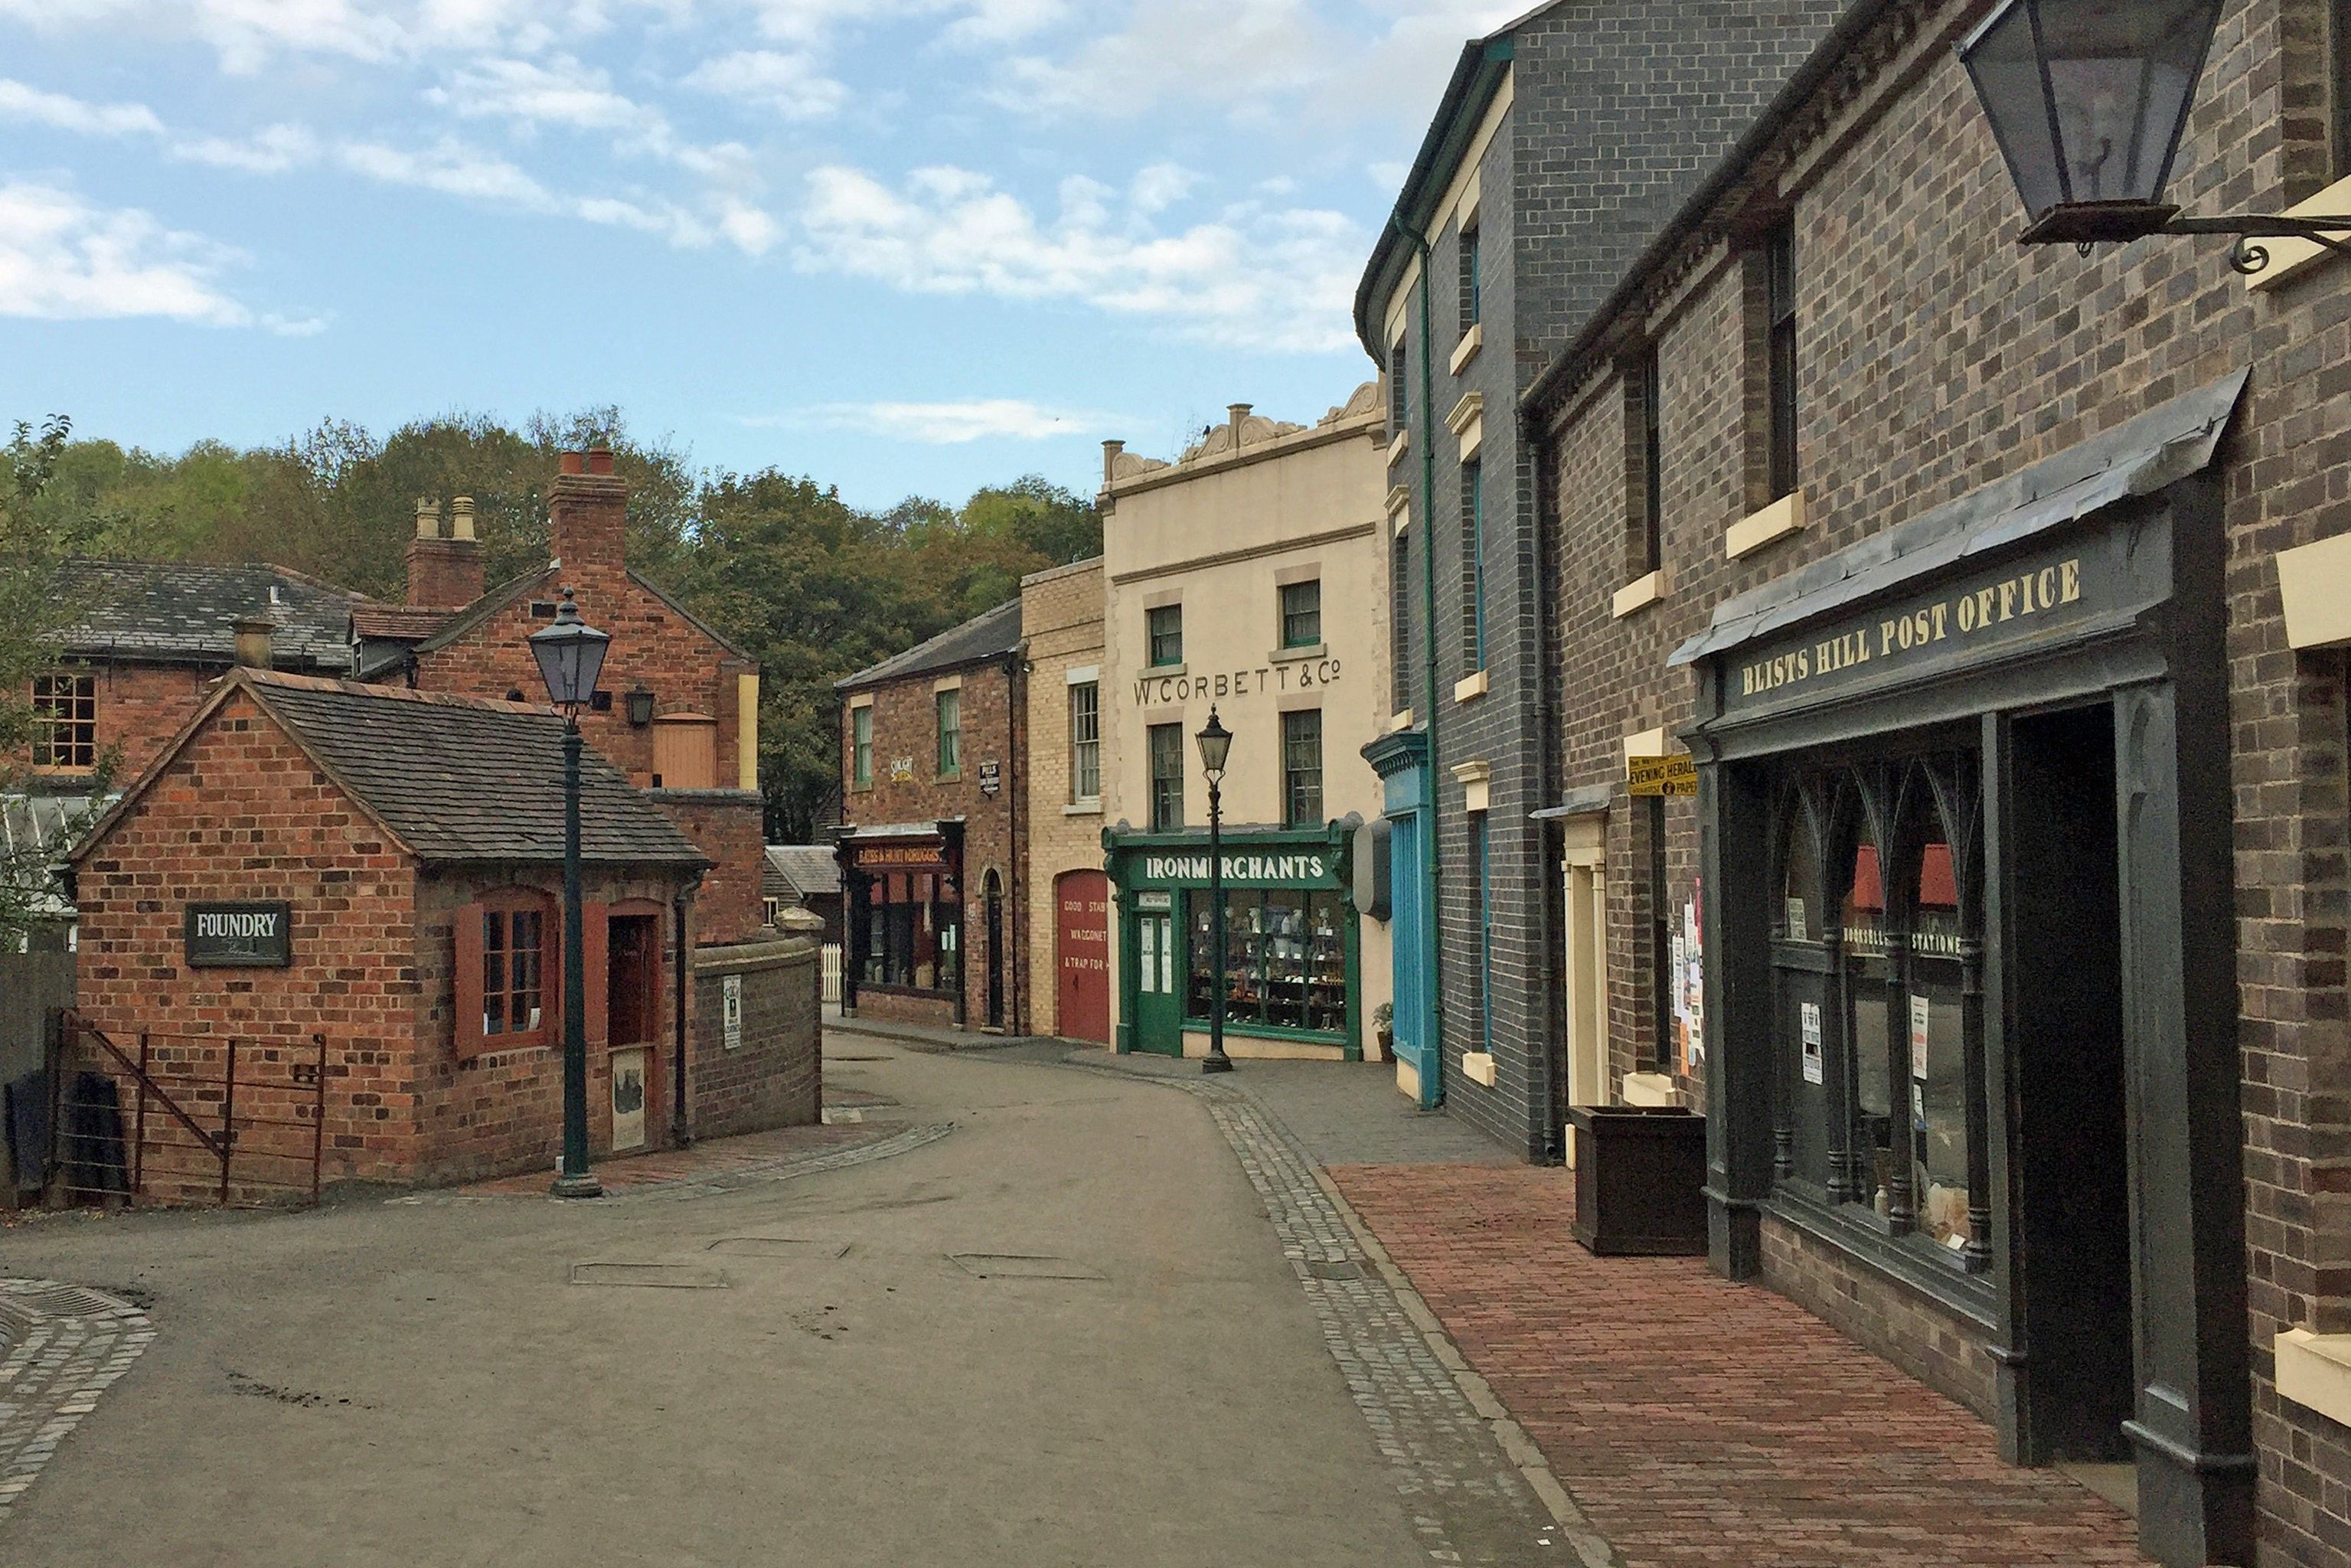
1675, 775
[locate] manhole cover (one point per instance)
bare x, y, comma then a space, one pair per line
1021, 1265
779, 1247
1342, 1271
664, 1276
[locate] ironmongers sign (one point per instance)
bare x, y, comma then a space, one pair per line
1285, 867
240, 935
917, 856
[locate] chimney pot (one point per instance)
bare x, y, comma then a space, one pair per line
574, 463
1239, 413
253, 635
461, 518
599, 459
428, 519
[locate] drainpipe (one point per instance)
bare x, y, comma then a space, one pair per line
1432, 1088
681, 1126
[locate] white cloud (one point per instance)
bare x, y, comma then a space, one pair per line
564, 92
950, 424
62, 258
450, 168
788, 84
272, 149
33, 106
1280, 279
1203, 51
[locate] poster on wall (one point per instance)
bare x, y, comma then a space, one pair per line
1810, 1012
730, 993
1690, 971
1920, 1017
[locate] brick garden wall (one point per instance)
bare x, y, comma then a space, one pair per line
1936, 355
775, 1077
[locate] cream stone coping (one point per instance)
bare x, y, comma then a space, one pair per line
1776, 521
863, 699
1638, 594
2290, 256
947, 684
1477, 784
1646, 743
2315, 1372
1400, 506
1081, 676
1467, 348
1398, 722
1648, 1089
1477, 1067
1399, 446
1468, 422
2315, 581
1470, 688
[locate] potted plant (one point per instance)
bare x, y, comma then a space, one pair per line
1383, 1029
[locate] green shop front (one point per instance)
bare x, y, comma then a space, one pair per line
1293, 944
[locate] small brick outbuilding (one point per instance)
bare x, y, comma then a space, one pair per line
413, 842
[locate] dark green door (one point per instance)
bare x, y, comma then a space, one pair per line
1159, 1007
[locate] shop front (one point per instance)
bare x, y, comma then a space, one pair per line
1294, 946
902, 892
1971, 1069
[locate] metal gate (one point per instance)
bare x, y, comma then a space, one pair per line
186, 1119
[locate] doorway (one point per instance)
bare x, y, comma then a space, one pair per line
1158, 1009
994, 897
1081, 955
2062, 875
633, 1020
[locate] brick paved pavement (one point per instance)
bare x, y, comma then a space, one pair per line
60, 1347
1702, 1424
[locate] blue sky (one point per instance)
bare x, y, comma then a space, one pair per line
902, 245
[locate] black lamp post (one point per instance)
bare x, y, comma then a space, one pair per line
1216, 745
570, 656
2088, 99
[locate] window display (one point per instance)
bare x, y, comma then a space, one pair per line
912, 919
1285, 958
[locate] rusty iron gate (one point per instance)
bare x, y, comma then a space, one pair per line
186, 1119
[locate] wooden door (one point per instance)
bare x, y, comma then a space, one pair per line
1081, 956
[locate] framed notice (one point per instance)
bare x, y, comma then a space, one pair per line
1809, 1013
1921, 1015
240, 935
730, 1001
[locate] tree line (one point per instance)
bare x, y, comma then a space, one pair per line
811, 587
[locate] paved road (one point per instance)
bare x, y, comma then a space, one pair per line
423, 1385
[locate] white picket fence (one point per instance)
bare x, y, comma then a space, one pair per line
833, 973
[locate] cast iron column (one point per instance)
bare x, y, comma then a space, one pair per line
574, 1179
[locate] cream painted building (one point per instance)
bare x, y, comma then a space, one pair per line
1250, 576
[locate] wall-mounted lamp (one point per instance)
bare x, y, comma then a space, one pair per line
641, 706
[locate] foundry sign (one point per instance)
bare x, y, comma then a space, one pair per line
1964, 625
240, 935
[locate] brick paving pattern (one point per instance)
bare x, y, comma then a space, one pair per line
1702, 1424
60, 1347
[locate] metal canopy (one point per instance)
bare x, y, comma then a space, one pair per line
2137, 457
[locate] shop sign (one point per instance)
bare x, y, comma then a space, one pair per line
918, 856
991, 778
902, 770
1154, 903
1964, 625
1242, 868
1674, 775
240, 935
1220, 686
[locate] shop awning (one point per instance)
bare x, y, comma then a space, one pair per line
2137, 457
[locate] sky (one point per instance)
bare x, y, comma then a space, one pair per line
903, 247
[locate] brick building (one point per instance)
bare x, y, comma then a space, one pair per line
1069, 757
933, 833
1997, 593
1560, 143
411, 844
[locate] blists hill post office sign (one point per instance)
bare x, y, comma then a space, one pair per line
240, 935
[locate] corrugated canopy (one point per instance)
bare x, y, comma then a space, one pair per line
2137, 457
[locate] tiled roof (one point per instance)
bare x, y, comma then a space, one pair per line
458, 779
179, 611
987, 635
809, 868
404, 621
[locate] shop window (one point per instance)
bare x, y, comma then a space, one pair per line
1302, 614
1473, 566
1471, 279
1166, 751
1163, 631
1285, 959
1085, 742
1778, 260
949, 704
1808, 1149
504, 953
64, 722
861, 748
686, 751
912, 927
1301, 767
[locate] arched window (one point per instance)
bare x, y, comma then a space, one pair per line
1865, 977
1941, 1015
1807, 1147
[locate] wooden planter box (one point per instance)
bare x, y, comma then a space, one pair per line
1640, 1179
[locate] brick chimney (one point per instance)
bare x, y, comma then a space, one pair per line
444, 573
587, 512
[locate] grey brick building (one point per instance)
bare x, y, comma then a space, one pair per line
1562, 144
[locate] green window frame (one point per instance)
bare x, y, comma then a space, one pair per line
949, 704
1301, 613
1163, 628
1166, 751
861, 748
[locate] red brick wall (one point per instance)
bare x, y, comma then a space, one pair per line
141, 706
443, 574
906, 724
726, 825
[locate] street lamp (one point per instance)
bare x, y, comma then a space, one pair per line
2088, 99
1216, 745
570, 656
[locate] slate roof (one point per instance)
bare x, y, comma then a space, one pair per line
179, 612
454, 778
402, 620
810, 868
990, 634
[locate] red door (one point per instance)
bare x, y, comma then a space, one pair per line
1083, 953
